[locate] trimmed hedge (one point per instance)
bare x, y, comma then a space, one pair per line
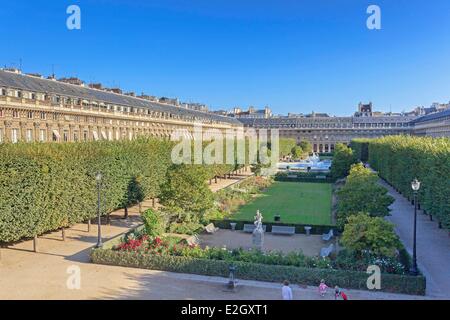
400, 159
260, 272
361, 149
47, 186
299, 228
304, 177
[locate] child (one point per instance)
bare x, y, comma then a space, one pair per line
322, 288
337, 292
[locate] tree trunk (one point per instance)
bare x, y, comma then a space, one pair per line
35, 244
125, 216
63, 233
153, 202
140, 207
89, 225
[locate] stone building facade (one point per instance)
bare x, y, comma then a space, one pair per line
37, 109
325, 132
46, 110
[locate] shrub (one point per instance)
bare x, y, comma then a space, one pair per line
342, 160
154, 224
374, 235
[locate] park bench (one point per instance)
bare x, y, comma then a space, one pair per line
283, 230
210, 228
325, 252
328, 236
250, 227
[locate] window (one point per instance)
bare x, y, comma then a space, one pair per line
65, 136
30, 115
3, 91
15, 114
55, 116
75, 136
42, 135
1, 113
15, 135
29, 135
33, 96
43, 116
85, 136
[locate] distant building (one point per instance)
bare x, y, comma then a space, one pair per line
253, 113
364, 110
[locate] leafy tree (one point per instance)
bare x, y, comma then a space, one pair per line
297, 152
374, 235
134, 195
186, 189
285, 146
342, 160
306, 146
362, 193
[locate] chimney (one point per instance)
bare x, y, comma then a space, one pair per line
97, 86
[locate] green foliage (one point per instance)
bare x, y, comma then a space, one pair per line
400, 159
297, 152
360, 148
285, 146
362, 193
306, 146
154, 224
375, 235
342, 160
257, 271
186, 189
47, 186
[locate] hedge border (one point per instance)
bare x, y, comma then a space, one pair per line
260, 272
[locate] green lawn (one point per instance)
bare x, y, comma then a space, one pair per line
296, 202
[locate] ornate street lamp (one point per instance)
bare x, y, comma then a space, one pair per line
98, 179
415, 185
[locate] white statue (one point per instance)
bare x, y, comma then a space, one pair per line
258, 220
258, 233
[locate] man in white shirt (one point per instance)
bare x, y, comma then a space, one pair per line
286, 291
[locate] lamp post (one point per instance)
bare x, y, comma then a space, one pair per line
415, 185
98, 178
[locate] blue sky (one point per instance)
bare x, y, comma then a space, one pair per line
295, 56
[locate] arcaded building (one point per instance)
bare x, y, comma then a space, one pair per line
36, 109
48, 110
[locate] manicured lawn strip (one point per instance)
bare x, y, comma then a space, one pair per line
296, 202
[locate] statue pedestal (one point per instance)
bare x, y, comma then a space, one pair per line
258, 238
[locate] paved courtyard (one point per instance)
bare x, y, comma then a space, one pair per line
309, 245
44, 275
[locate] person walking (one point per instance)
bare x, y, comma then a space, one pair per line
286, 291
